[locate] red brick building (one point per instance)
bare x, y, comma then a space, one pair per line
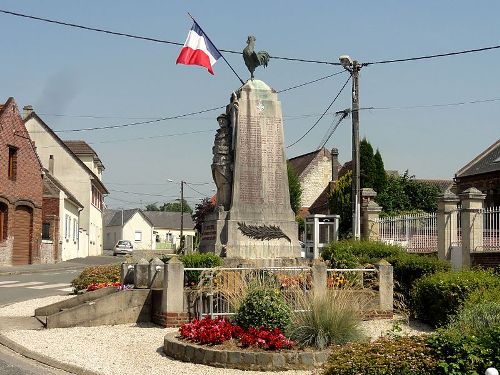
21, 185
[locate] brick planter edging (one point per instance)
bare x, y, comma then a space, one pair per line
243, 360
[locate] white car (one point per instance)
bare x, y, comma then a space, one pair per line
123, 247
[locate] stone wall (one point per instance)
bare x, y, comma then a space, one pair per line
315, 178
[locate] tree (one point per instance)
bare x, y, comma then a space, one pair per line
339, 201
176, 206
201, 210
152, 207
380, 180
294, 188
405, 194
367, 164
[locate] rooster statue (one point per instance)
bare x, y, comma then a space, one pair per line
254, 59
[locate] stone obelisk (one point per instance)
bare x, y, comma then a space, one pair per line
260, 223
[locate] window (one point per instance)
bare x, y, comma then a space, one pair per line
3, 221
12, 163
75, 230
138, 236
67, 226
45, 231
97, 198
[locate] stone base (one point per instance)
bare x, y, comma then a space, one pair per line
243, 359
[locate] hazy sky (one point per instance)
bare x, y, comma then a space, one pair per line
77, 79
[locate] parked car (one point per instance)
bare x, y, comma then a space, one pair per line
123, 247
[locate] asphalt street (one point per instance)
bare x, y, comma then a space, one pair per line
21, 283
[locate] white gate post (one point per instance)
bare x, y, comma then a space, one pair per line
446, 223
472, 222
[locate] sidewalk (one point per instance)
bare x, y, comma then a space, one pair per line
73, 264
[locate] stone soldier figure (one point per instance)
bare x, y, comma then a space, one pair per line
222, 165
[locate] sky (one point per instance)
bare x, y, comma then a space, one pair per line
78, 79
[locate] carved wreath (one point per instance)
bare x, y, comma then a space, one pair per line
262, 232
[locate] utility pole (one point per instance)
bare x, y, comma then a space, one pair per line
354, 67
356, 188
181, 242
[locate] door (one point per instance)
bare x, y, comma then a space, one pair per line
22, 231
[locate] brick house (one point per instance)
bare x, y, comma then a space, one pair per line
21, 184
79, 169
483, 173
315, 170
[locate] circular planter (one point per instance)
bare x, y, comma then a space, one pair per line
242, 359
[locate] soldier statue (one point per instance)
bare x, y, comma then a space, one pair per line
222, 165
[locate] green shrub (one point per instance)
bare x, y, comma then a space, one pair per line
97, 274
199, 260
436, 297
465, 353
407, 267
410, 267
263, 306
403, 355
327, 319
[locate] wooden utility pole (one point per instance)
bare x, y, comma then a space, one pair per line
356, 188
181, 242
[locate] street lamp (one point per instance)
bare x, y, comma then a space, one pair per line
353, 67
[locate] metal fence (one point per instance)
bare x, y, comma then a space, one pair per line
416, 232
220, 290
491, 228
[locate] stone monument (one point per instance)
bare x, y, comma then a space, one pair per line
253, 218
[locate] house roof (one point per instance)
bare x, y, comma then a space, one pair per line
170, 220
49, 182
487, 161
92, 175
442, 185
301, 162
119, 217
80, 147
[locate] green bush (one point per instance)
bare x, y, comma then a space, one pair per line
403, 355
436, 297
327, 319
407, 267
263, 306
97, 274
199, 260
468, 344
410, 267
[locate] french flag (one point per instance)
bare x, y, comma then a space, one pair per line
198, 50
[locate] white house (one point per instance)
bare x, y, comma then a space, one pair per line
167, 228
130, 225
76, 165
60, 221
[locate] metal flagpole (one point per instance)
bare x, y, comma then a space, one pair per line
234, 71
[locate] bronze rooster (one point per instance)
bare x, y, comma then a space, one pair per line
254, 59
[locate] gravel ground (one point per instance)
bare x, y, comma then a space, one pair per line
134, 349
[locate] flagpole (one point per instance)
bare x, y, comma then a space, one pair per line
234, 71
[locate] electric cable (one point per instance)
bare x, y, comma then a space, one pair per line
324, 113
342, 115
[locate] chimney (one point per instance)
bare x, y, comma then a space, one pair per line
335, 164
27, 109
51, 164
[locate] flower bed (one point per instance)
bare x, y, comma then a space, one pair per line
95, 286
217, 331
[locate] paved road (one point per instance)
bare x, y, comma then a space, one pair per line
12, 363
15, 288
37, 281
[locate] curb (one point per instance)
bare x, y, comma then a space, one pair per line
12, 345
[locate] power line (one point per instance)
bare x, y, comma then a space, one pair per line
343, 114
426, 57
196, 191
156, 120
115, 33
145, 194
435, 105
324, 113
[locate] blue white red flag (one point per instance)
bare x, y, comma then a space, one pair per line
198, 50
